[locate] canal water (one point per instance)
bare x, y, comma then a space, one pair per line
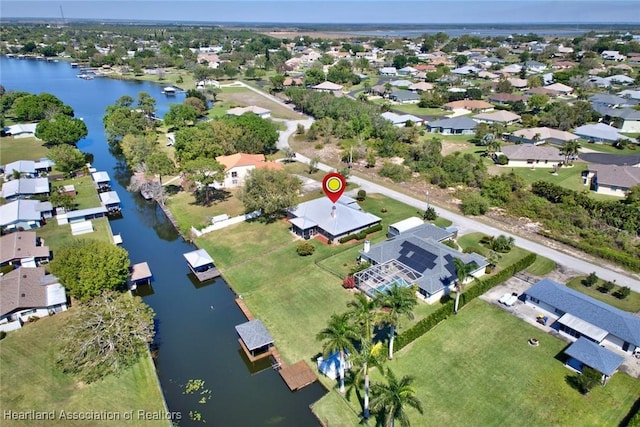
194, 323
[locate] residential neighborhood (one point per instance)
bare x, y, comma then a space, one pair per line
488, 212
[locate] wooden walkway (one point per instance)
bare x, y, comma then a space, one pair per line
296, 376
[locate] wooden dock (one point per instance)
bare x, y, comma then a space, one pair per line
245, 310
209, 274
298, 376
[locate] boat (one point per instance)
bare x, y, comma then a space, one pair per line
169, 90
74, 65
85, 76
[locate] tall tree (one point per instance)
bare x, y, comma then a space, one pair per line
271, 191
570, 149
367, 356
180, 115
106, 335
463, 272
397, 302
61, 129
67, 158
338, 336
205, 173
147, 104
363, 313
88, 267
392, 399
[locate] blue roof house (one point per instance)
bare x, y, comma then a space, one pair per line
577, 315
585, 352
454, 126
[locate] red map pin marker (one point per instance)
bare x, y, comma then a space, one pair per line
333, 185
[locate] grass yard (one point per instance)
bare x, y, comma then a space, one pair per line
188, 213
30, 381
56, 236
608, 148
570, 177
477, 368
630, 303
87, 194
243, 97
332, 409
289, 293
12, 149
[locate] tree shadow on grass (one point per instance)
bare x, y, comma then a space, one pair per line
214, 196
574, 383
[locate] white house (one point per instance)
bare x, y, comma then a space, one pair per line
29, 292
24, 213
541, 135
612, 180
531, 156
612, 55
21, 130
259, 111
238, 165
25, 187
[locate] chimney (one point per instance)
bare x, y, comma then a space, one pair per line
367, 246
333, 212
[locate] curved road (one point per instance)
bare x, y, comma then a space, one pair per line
464, 224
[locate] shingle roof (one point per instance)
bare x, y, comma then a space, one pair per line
544, 133
591, 354
328, 86
254, 334
614, 175
458, 123
21, 244
23, 289
617, 322
532, 152
431, 259
345, 220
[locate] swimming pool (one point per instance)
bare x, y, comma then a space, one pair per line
398, 281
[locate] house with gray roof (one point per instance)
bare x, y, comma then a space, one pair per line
454, 126
29, 292
403, 96
418, 227
613, 180
531, 156
25, 187
401, 119
401, 83
333, 221
585, 352
414, 258
577, 315
501, 116
388, 71
23, 213
625, 118
599, 132
27, 168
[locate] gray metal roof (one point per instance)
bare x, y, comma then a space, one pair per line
591, 354
617, 322
198, 258
85, 212
404, 95
460, 123
25, 186
347, 218
599, 132
254, 334
618, 176
431, 259
20, 210
430, 231
532, 152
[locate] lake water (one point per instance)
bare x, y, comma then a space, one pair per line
195, 324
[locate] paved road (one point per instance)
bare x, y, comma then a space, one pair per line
464, 224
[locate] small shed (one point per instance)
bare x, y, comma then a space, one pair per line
404, 225
585, 352
255, 340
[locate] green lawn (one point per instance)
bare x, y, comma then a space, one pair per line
608, 148
87, 194
477, 368
630, 303
569, 177
29, 380
56, 236
188, 213
12, 149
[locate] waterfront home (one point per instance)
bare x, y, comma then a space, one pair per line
25, 187
237, 167
23, 248
27, 168
27, 293
541, 135
21, 130
24, 214
413, 258
332, 221
613, 180
532, 156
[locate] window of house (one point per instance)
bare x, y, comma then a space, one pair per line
234, 174
234, 181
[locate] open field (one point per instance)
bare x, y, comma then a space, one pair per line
188, 213
243, 97
31, 381
630, 303
87, 194
12, 149
481, 360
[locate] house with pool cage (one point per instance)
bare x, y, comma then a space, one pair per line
413, 258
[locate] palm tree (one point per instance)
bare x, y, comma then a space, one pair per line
363, 313
398, 301
570, 149
368, 356
392, 398
463, 271
338, 336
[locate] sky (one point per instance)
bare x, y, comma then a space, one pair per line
333, 11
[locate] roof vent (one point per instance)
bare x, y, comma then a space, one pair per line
24, 276
23, 295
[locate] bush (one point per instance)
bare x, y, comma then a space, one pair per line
362, 195
474, 204
590, 280
606, 287
450, 243
2, 334
503, 160
349, 282
430, 214
305, 248
397, 173
623, 292
502, 244
361, 235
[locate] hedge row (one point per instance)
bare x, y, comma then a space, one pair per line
480, 287
619, 257
361, 235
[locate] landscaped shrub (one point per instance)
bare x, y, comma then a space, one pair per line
305, 248
590, 280
502, 244
474, 204
2, 334
430, 214
623, 292
362, 234
606, 287
349, 282
503, 160
361, 195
